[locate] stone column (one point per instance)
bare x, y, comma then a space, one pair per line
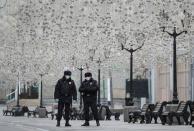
153, 84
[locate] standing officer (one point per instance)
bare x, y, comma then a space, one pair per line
65, 90
89, 89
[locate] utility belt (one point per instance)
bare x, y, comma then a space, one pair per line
65, 95
85, 95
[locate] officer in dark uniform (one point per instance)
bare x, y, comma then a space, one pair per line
65, 90
89, 89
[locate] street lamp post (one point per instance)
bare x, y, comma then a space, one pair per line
81, 79
129, 97
41, 75
92, 53
18, 101
174, 35
99, 63
41, 89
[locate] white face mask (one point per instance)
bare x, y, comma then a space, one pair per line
67, 76
88, 78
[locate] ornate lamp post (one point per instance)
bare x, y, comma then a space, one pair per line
174, 35
18, 96
81, 79
99, 62
129, 95
42, 72
91, 57
41, 89
185, 18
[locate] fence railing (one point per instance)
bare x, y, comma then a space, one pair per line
11, 96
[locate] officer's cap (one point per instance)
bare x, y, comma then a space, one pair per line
88, 74
67, 72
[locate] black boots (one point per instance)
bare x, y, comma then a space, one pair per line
67, 124
58, 123
97, 123
86, 123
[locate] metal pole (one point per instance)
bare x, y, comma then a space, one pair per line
18, 104
150, 86
175, 93
41, 91
174, 35
131, 80
111, 90
81, 71
104, 93
99, 86
129, 99
192, 81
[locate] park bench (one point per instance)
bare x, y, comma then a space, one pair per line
73, 113
41, 112
7, 111
17, 111
33, 112
181, 111
108, 113
134, 115
157, 111
192, 113
143, 114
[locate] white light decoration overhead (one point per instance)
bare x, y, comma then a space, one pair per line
44, 36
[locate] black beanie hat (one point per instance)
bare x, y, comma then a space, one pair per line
88, 74
67, 72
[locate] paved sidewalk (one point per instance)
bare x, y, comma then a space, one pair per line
9, 123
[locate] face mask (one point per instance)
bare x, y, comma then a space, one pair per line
67, 76
88, 78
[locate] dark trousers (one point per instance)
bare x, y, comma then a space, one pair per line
61, 106
93, 106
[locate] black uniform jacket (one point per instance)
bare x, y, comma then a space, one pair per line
65, 90
89, 90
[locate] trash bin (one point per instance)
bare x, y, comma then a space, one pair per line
42, 112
